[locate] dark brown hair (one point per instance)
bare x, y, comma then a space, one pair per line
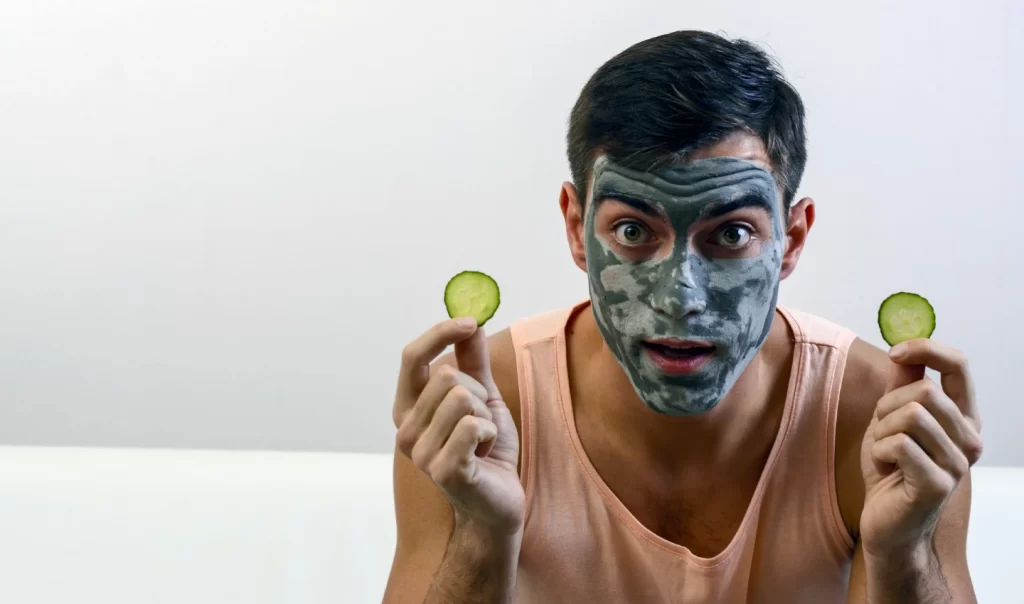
663, 97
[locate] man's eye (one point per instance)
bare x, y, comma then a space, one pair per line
632, 233
734, 235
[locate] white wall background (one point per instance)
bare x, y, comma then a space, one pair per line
221, 220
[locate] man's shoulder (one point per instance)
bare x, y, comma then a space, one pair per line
867, 367
864, 377
503, 364
809, 328
543, 325
503, 344
863, 384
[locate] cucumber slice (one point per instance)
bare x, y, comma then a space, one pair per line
472, 294
905, 316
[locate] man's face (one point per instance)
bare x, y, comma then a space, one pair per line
684, 267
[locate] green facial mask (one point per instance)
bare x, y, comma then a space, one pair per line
729, 302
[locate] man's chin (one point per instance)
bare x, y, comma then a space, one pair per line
681, 409
678, 401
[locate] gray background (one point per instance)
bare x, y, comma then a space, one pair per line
221, 221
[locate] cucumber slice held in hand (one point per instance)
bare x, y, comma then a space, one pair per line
472, 294
905, 316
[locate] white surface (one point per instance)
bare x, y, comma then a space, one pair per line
193, 527
220, 221
94, 526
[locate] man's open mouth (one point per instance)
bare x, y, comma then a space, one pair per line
678, 357
680, 349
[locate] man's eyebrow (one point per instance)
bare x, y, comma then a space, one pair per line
634, 202
716, 210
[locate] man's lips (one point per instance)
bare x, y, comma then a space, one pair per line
680, 344
679, 357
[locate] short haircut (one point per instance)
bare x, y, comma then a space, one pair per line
663, 97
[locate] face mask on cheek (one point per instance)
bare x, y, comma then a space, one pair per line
729, 302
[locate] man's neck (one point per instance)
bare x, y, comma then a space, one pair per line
732, 435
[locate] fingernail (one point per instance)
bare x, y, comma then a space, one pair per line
898, 350
466, 322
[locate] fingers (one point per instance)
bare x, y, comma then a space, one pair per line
934, 354
443, 379
458, 403
416, 358
919, 471
951, 363
473, 359
921, 426
462, 393
921, 430
925, 397
903, 375
455, 465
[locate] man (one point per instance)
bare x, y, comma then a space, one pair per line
679, 437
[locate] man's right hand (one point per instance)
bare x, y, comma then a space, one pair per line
454, 426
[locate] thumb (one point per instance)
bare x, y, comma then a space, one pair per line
474, 360
903, 375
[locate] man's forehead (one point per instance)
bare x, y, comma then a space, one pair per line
693, 177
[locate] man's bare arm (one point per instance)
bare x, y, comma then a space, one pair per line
940, 579
933, 574
435, 560
479, 567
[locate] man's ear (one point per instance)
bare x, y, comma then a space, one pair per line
572, 212
801, 219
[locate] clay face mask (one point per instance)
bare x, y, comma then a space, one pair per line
685, 320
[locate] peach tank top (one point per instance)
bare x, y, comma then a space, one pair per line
581, 544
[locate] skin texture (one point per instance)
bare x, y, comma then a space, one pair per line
689, 291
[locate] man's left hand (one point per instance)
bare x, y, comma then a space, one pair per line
921, 442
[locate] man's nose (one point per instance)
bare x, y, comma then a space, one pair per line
681, 288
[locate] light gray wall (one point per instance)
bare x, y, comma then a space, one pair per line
220, 221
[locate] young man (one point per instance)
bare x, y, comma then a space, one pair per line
679, 437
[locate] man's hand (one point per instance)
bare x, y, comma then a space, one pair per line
921, 442
453, 424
